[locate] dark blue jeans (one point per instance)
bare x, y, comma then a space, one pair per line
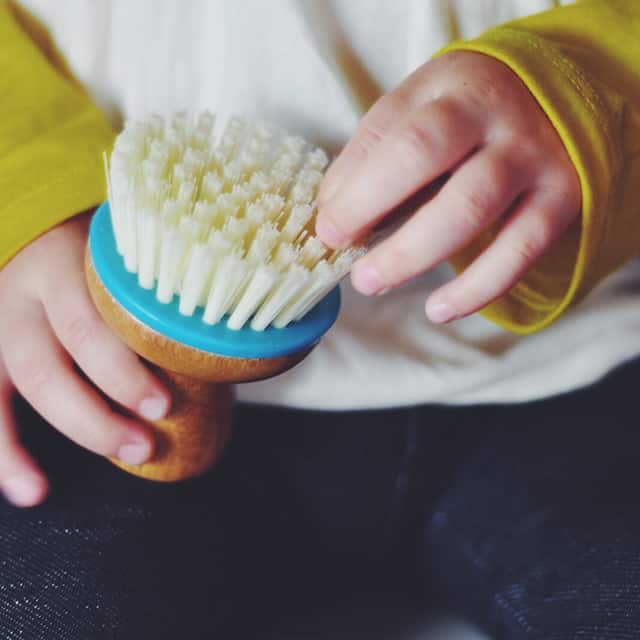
526, 518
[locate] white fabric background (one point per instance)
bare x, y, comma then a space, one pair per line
280, 60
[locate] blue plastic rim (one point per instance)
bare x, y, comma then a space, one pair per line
191, 330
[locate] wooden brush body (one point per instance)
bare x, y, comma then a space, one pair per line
193, 436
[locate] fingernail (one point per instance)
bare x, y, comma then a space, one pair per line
367, 280
153, 408
22, 491
441, 312
326, 231
136, 451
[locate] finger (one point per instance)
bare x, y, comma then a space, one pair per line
417, 88
481, 190
21, 480
533, 227
420, 148
99, 352
372, 128
43, 373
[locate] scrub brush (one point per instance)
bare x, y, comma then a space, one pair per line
205, 262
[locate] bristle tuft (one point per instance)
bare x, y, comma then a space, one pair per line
226, 226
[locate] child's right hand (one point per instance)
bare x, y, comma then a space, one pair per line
49, 324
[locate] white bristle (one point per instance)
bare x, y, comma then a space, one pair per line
211, 186
312, 251
206, 120
186, 189
148, 229
294, 144
291, 283
194, 159
198, 267
227, 226
130, 228
226, 281
241, 194
319, 285
263, 242
170, 255
260, 183
272, 204
256, 213
174, 244
256, 291
156, 124
227, 204
298, 219
233, 173
235, 229
286, 255
317, 159
179, 121
204, 211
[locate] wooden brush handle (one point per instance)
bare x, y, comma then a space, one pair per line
193, 436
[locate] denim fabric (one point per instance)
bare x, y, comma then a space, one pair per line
538, 534
524, 517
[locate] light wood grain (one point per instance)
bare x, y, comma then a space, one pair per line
193, 436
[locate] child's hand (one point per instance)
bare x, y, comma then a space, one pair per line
470, 115
49, 324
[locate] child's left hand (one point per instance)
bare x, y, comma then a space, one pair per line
470, 115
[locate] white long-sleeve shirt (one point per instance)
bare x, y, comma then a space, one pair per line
313, 66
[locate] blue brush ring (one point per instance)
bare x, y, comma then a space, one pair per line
191, 330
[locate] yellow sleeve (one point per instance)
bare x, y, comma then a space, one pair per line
51, 138
582, 64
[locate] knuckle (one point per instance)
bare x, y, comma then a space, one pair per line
523, 150
430, 130
488, 90
32, 374
38, 377
472, 208
415, 143
499, 174
385, 110
535, 242
368, 138
77, 330
524, 254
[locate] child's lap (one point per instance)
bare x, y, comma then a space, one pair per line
308, 507
300, 505
104, 554
538, 534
